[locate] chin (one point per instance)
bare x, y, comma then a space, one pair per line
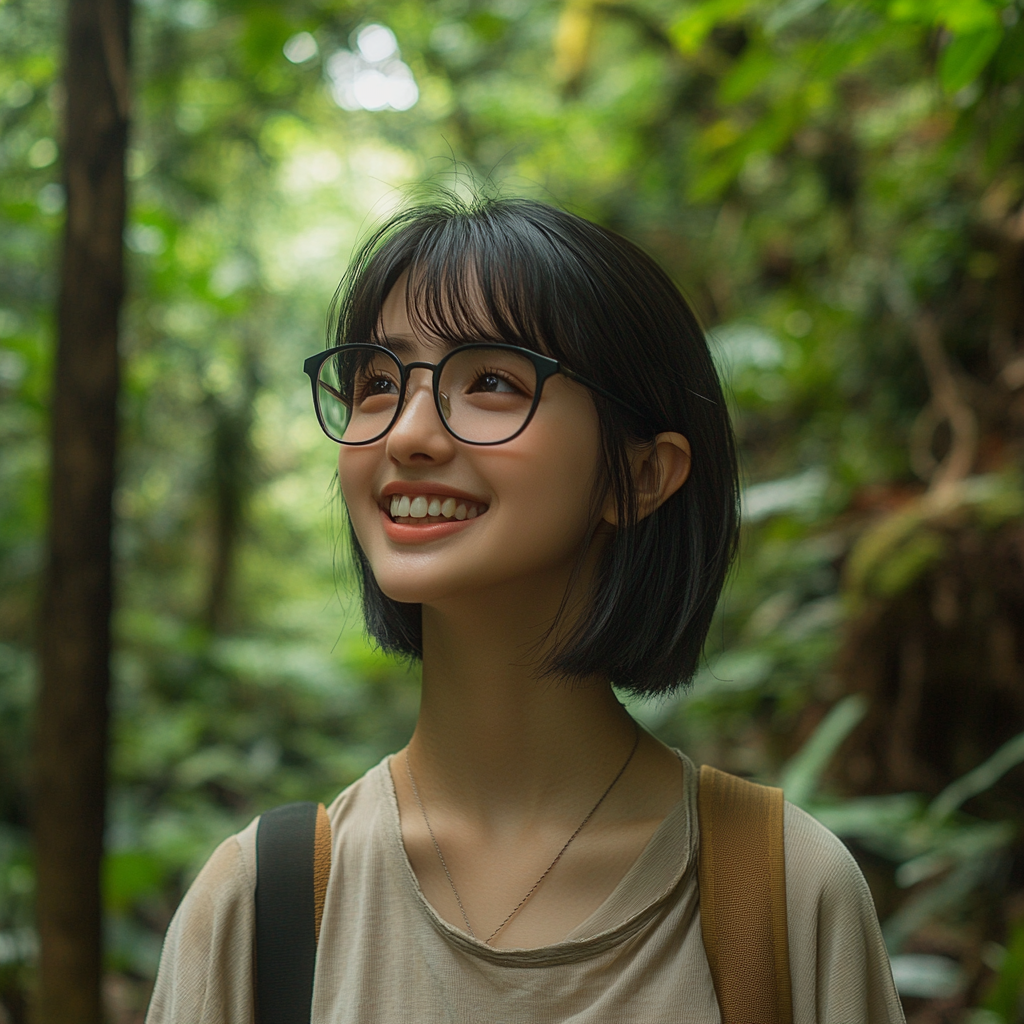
410, 588
418, 585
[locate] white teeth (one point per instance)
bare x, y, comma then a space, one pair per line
404, 506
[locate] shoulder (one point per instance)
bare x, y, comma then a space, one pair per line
206, 964
818, 860
224, 887
825, 889
838, 961
205, 972
363, 800
365, 832
824, 884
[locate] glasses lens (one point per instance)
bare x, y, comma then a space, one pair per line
357, 390
487, 393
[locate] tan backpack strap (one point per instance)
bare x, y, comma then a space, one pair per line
742, 875
321, 865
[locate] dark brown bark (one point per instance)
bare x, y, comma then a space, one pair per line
74, 635
942, 666
232, 474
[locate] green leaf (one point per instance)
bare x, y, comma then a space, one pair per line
959, 16
802, 773
266, 31
751, 73
794, 10
129, 875
976, 781
932, 901
1004, 997
966, 56
907, 563
1009, 62
953, 846
877, 821
690, 31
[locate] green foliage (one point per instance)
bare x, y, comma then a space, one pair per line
802, 773
929, 841
892, 555
1003, 1001
925, 841
814, 173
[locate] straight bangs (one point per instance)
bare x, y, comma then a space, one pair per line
476, 273
518, 272
461, 290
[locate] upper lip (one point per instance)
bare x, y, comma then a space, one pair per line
414, 488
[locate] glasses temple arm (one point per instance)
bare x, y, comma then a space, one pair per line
603, 393
332, 391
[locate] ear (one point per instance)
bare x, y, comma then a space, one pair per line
659, 470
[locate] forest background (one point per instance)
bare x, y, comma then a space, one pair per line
836, 184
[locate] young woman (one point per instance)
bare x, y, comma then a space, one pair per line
539, 474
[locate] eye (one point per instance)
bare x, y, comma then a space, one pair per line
374, 385
491, 382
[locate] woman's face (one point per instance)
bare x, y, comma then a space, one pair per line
527, 503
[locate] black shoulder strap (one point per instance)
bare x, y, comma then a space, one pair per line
292, 865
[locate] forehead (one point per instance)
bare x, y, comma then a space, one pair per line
406, 328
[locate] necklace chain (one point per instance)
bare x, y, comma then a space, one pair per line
536, 885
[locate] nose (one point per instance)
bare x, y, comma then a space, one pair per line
418, 434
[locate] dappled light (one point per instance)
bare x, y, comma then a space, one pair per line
837, 187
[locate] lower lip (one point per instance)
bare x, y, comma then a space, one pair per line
404, 533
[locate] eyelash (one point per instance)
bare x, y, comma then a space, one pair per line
364, 387
503, 375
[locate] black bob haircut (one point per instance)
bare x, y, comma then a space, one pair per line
518, 271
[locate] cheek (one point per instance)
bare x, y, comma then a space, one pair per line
347, 470
356, 468
559, 491
542, 487
549, 492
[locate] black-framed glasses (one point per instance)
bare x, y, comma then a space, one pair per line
484, 393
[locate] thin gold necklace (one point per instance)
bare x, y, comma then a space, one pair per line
536, 885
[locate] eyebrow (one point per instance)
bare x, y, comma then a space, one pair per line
403, 344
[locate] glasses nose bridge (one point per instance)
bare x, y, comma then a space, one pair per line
409, 390
419, 365
407, 368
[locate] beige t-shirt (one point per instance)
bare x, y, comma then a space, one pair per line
386, 957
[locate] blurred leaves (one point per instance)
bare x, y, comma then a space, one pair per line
816, 174
893, 553
801, 775
925, 841
1003, 1000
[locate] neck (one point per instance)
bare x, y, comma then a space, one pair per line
494, 738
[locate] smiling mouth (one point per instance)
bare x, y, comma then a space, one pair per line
432, 508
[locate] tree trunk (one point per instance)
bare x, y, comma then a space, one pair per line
232, 474
74, 635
